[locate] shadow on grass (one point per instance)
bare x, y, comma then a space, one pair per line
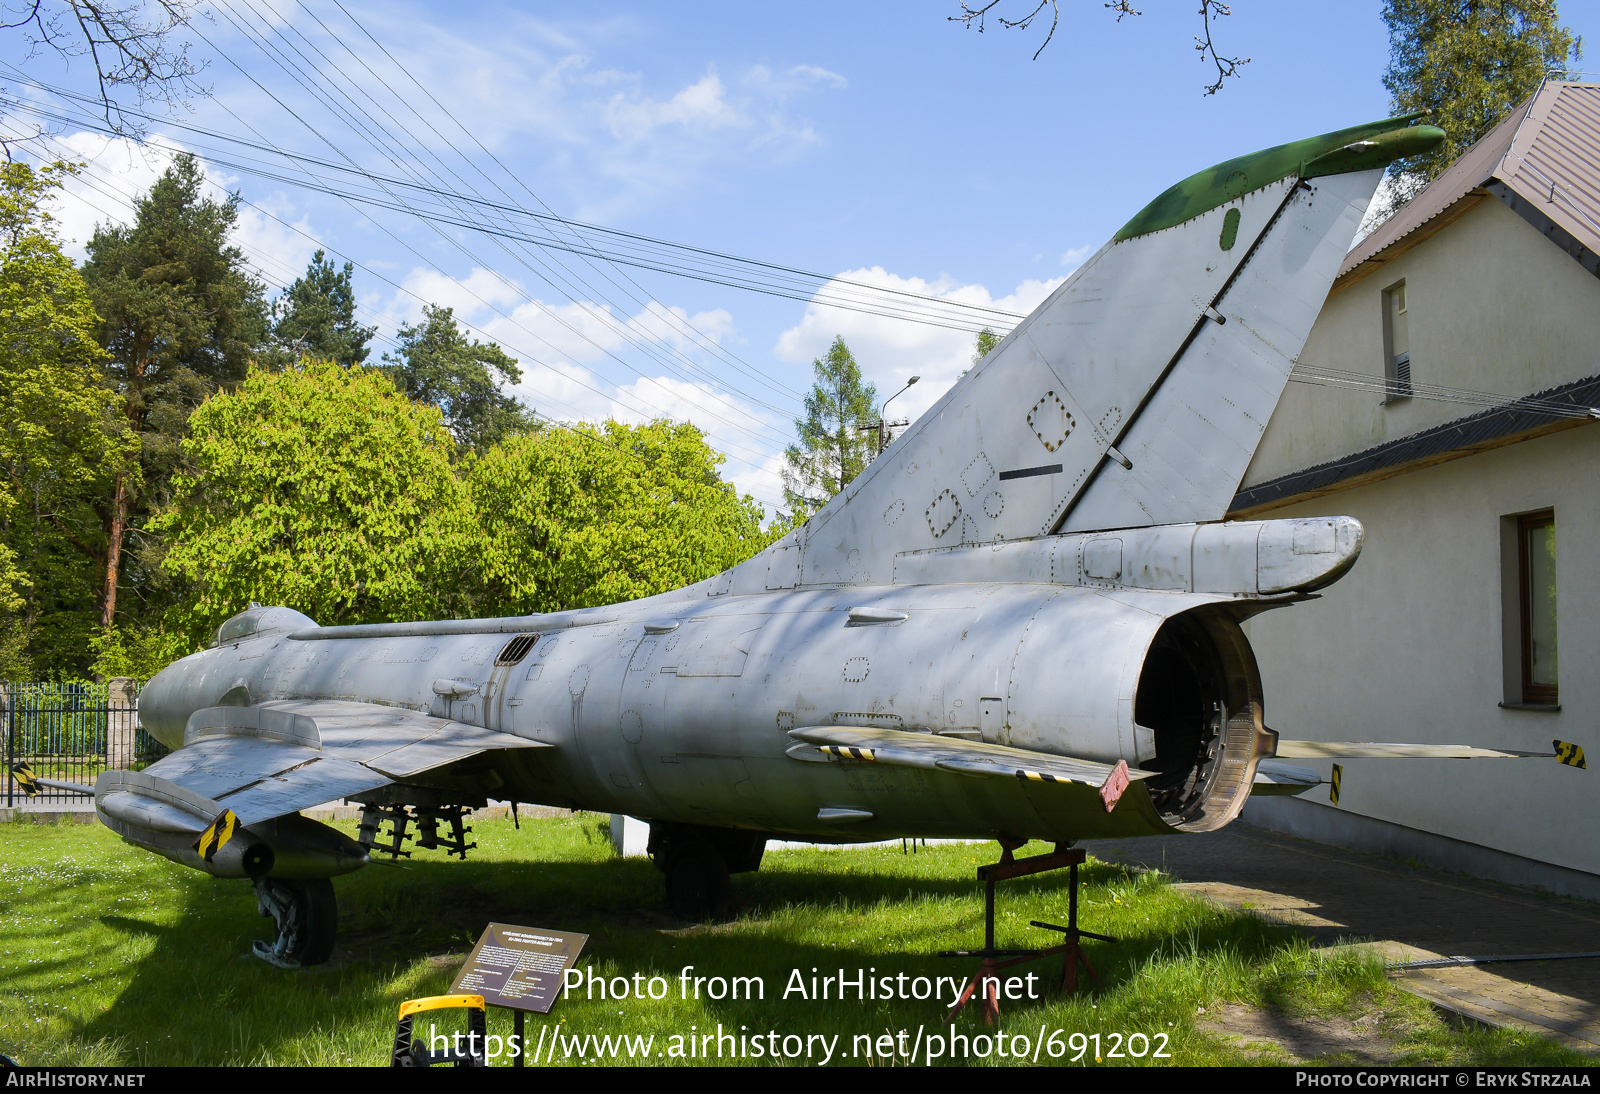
199, 997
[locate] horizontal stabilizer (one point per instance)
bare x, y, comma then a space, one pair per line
1276, 778
1375, 750
934, 753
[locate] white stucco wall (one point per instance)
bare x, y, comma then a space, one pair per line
1408, 647
1493, 307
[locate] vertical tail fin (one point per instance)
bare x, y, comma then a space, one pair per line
1136, 394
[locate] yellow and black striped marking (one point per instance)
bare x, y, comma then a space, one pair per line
845, 752
1041, 777
25, 778
1570, 754
217, 835
1333, 790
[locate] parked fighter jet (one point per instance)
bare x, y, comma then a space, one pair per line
1023, 619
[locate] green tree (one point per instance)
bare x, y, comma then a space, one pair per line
1470, 62
581, 515
987, 340
837, 435
319, 487
60, 442
316, 316
180, 318
436, 364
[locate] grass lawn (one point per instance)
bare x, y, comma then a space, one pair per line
110, 955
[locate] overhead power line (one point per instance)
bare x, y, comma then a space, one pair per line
588, 240
1323, 376
106, 187
456, 244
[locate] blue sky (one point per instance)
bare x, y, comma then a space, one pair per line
881, 139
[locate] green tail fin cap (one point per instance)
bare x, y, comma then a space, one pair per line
1358, 148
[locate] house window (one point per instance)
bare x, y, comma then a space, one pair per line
1396, 343
1536, 592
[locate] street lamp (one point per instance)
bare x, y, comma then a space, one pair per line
883, 414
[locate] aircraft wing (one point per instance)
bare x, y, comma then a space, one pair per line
283, 756
929, 751
1376, 750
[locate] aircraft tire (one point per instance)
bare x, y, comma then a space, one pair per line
320, 922
313, 911
698, 887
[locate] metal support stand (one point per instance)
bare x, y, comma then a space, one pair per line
522, 1038
987, 981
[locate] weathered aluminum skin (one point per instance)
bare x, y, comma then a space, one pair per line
933, 596
679, 707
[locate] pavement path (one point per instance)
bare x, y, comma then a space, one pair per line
1409, 913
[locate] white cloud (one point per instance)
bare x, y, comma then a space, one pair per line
562, 348
603, 141
813, 74
272, 242
568, 391
891, 351
700, 107
503, 310
763, 481
1073, 257
472, 297
117, 171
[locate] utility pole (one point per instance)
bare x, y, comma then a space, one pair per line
882, 424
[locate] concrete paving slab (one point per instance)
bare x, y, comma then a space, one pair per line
1411, 912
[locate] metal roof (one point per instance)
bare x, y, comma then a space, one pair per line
1461, 437
1546, 151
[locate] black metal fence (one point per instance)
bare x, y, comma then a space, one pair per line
71, 732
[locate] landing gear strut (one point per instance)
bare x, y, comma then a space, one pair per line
697, 881
307, 917
697, 861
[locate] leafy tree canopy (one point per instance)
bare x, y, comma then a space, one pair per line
316, 316
987, 341
837, 434
1470, 62
318, 487
59, 440
581, 515
436, 364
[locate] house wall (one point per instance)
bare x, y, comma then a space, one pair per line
1408, 647
1493, 307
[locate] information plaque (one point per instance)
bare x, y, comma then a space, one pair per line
519, 967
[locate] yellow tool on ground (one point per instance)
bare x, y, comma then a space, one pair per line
412, 1051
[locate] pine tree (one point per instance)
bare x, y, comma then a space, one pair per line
316, 316
437, 365
837, 436
1469, 62
179, 318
